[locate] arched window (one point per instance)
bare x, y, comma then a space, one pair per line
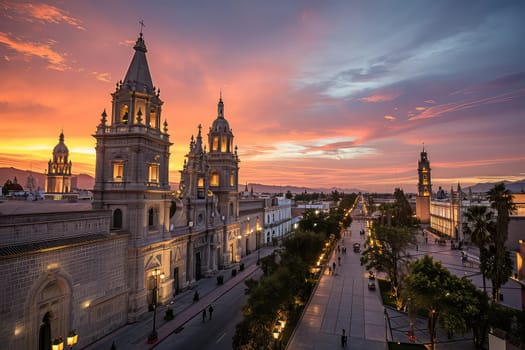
232, 179
117, 218
124, 114
214, 178
231, 209
151, 215
224, 144
153, 117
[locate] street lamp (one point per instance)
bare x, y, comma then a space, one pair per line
276, 333
257, 241
58, 344
156, 274
72, 339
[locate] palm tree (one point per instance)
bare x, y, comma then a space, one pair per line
501, 267
480, 222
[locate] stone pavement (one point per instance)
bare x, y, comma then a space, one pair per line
343, 301
135, 335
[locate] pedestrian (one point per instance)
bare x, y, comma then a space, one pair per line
338, 249
210, 311
343, 338
339, 260
204, 315
333, 268
329, 270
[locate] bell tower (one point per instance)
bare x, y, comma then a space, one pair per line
224, 165
131, 176
58, 176
424, 188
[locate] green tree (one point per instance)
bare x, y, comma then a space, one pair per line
499, 267
275, 293
446, 298
387, 252
479, 225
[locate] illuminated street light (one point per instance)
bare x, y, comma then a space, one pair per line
156, 274
72, 339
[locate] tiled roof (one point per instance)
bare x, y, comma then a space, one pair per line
14, 250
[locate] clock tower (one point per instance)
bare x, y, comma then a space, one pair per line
424, 188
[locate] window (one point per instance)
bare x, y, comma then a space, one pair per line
153, 175
232, 179
200, 182
214, 179
124, 115
118, 171
117, 218
151, 217
224, 144
215, 146
153, 118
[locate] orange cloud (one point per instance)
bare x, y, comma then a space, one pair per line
390, 117
43, 13
57, 62
381, 97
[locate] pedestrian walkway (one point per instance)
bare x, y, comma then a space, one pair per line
134, 336
343, 301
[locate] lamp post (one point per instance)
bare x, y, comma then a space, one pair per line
72, 339
156, 274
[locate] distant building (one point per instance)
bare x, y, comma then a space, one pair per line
424, 188
59, 180
278, 219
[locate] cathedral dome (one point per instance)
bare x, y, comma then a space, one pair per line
220, 125
60, 151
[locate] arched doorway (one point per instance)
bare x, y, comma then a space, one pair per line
44, 333
49, 310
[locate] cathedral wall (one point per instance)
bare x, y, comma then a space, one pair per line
21, 229
82, 287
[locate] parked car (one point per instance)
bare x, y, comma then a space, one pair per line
357, 247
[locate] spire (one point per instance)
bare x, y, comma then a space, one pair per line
61, 137
138, 77
220, 107
198, 144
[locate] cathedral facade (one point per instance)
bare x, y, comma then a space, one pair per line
92, 267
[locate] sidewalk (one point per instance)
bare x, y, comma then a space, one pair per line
135, 335
342, 301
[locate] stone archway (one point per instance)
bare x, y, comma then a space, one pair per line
49, 310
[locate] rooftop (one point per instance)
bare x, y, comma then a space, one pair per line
20, 207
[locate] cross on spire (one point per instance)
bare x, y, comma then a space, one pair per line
142, 25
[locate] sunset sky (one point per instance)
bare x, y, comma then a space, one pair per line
318, 93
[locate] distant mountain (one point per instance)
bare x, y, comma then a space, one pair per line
514, 187
260, 188
84, 181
